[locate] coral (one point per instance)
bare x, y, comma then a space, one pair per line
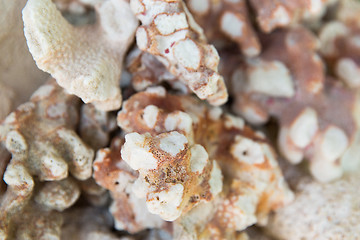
87, 60
320, 211
274, 14
147, 71
340, 44
316, 114
226, 19
36, 222
44, 146
166, 130
112, 173
169, 32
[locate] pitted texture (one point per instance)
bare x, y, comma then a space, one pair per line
36, 222
272, 14
112, 173
316, 114
320, 211
86, 61
226, 18
170, 33
41, 139
174, 175
253, 183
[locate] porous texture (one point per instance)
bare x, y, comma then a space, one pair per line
226, 19
112, 173
317, 115
36, 222
252, 184
320, 211
86, 61
44, 146
169, 32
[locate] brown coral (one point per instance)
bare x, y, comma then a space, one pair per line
272, 14
170, 33
317, 115
86, 61
226, 18
253, 183
340, 43
147, 71
111, 172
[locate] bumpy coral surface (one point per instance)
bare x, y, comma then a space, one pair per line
229, 19
271, 14
169, 32
320, 211
167, 129
86, 61
340, 43
44, 146
172, 164
317, 115
111, 172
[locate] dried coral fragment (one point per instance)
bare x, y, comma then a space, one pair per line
111, 172
248, 164
36, 222
85, 61
272, 14
226, 18
147, 71
320, 211
169, 32
317, 115
340, 43
41, 138
174, 175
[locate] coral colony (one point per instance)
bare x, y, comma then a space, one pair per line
180, 119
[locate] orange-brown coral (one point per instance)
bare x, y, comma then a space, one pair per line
253, 184
169, 32
112, 173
